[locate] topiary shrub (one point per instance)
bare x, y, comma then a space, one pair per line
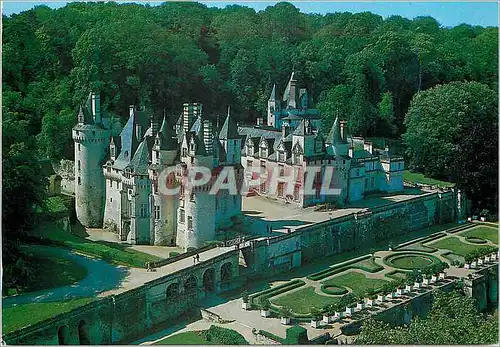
223, 336
296, 335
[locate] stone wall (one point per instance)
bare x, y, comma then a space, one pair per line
66, 169
124, 317
348, 232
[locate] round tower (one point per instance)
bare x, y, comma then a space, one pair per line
91, 139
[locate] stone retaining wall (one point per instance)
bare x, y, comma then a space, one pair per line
348, 233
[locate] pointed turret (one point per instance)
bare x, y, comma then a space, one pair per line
334, 136
166, 133
273, 93
229, 129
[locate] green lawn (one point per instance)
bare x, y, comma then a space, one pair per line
358, 283
302, 300
455, 245
483, 232
187, 338
112, 252
22, 315
415, 177
396, 274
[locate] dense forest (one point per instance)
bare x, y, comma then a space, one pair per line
433, 87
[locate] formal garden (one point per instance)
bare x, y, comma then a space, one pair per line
358, 284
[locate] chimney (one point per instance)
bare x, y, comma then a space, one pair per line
154, 122
191, 112
292, 102
96, 108
342, 129
285, 130
260, 121
208, 136
131, 110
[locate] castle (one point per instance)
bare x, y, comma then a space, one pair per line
293, 141
119, 175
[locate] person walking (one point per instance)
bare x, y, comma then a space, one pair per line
198, 257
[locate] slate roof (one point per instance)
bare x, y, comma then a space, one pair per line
229, 130
140, 161
334, 134
167, 135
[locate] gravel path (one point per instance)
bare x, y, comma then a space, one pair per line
101, 277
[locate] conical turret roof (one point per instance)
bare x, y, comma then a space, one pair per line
229, 129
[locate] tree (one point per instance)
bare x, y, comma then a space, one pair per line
453, 320
452, 133
23, 191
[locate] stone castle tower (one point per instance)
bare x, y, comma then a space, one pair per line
91, 136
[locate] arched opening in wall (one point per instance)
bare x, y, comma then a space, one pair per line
172, 291
63, 335
226, 272
209, 280
190, 285
83, 334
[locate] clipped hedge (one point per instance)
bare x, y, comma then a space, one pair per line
268, 293
223, 336
333, 290
317, 276
295, 335
475, 239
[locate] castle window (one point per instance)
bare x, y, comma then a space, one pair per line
182, 216
190, 223
144, 210
79, 166
282, 170
399, 166
79, 147
281, 156
93, 132
79, 180
110, 199
157, 212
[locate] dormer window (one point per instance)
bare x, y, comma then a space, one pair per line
192, 147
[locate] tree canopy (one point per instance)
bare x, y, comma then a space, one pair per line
453, 320
452, 132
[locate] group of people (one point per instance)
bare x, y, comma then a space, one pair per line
196, 258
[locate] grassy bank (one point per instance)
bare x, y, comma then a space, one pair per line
418, 178
20, 316
112, 252
50, 272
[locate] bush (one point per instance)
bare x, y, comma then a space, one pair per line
173, 254
223, 336
285, 312
264, 303
244, 296
315, 313
296, 335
